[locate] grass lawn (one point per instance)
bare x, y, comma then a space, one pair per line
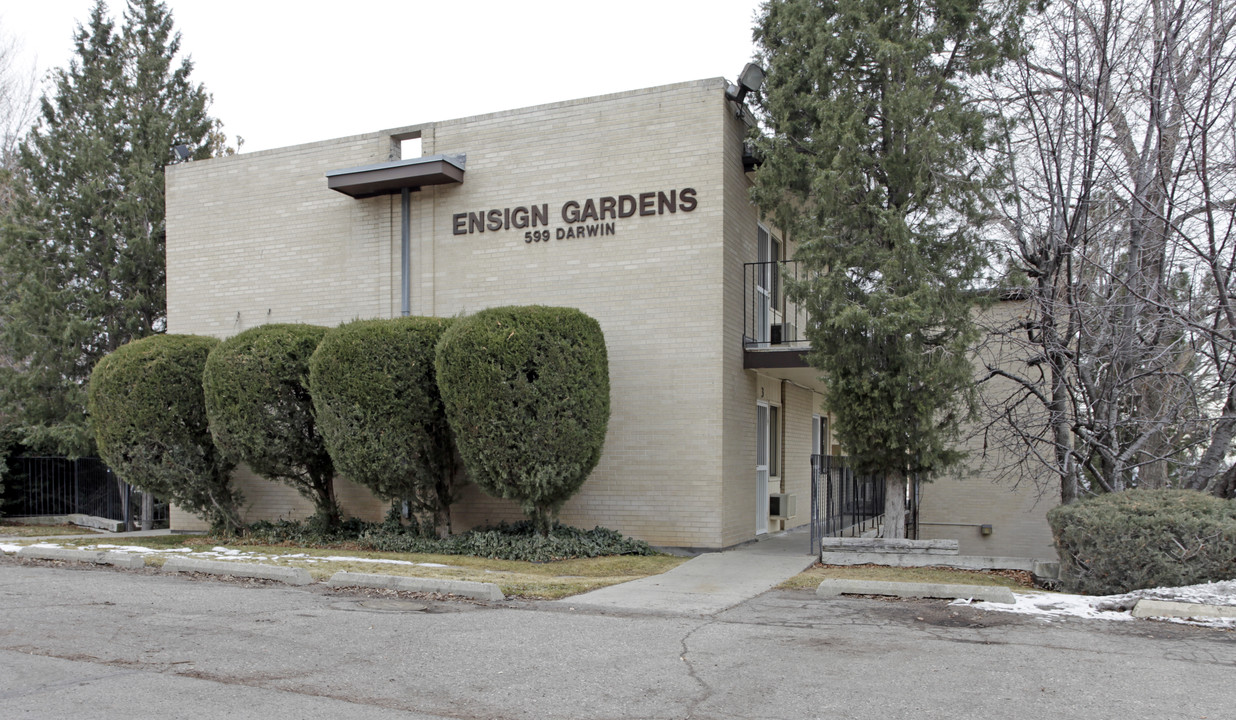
810, 579
20, 530
549, 581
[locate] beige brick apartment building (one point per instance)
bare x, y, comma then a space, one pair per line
631, 207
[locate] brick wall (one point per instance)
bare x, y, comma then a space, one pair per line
259, 238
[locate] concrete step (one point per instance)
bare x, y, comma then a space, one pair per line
889, 545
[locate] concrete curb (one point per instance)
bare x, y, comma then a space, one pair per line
834, 587
291, 576
1167, 608
129, 561
963, 562
463, 588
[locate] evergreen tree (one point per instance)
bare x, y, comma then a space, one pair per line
869, 165
82, 252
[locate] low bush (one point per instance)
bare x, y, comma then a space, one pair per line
526, 391
149, 418
256, 386
519, 541
1138, 539
381, 415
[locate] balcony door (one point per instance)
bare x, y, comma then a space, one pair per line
767, 288
763, 289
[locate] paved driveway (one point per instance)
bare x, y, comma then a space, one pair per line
101, 643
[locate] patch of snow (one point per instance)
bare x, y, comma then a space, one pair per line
123, 548
1117, 607
1213, 593
1050, 605
5, 547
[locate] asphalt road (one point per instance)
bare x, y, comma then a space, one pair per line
78, 642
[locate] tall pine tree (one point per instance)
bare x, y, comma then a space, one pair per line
82, 252
869, 165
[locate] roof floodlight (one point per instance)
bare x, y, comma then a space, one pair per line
751, 77
749, 80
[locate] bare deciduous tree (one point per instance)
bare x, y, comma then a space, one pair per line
1119, 135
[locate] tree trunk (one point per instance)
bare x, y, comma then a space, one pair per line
147, 511
542, 520
895, 505
327, 506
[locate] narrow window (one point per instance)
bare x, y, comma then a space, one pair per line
774, 441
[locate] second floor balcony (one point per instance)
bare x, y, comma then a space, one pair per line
773, 324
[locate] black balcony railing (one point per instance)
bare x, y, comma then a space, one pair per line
770, 318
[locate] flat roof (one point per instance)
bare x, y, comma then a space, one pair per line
392, 177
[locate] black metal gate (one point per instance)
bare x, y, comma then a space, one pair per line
846, 504
42, 486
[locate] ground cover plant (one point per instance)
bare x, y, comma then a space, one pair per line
1136, 539
518, 541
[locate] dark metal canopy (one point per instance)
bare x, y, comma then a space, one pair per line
389, 178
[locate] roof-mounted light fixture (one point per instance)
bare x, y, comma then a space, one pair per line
749, 81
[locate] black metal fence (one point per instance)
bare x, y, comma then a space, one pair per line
770, 318
846, 504
39, 486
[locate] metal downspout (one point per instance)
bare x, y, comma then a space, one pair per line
405, 253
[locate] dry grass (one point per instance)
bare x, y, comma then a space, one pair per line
810, 579
522, 579
20, 530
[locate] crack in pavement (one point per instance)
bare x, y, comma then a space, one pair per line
706, 689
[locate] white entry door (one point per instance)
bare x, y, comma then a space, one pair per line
761, 468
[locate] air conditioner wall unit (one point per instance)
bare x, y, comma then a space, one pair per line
783, 332
782, 506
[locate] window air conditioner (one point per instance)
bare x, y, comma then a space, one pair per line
782, 506
783, 333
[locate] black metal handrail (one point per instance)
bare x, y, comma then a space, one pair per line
770, 318
847, 504
51, 486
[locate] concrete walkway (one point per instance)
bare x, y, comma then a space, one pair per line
711, 582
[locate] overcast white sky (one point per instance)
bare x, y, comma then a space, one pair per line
290, 71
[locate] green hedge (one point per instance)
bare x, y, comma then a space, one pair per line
256, 386
527, 395
380, 412
149, 420
1138, 539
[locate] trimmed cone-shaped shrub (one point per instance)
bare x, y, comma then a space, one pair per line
149, 421
1138, 539
380, 412
527, 395
261, 414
